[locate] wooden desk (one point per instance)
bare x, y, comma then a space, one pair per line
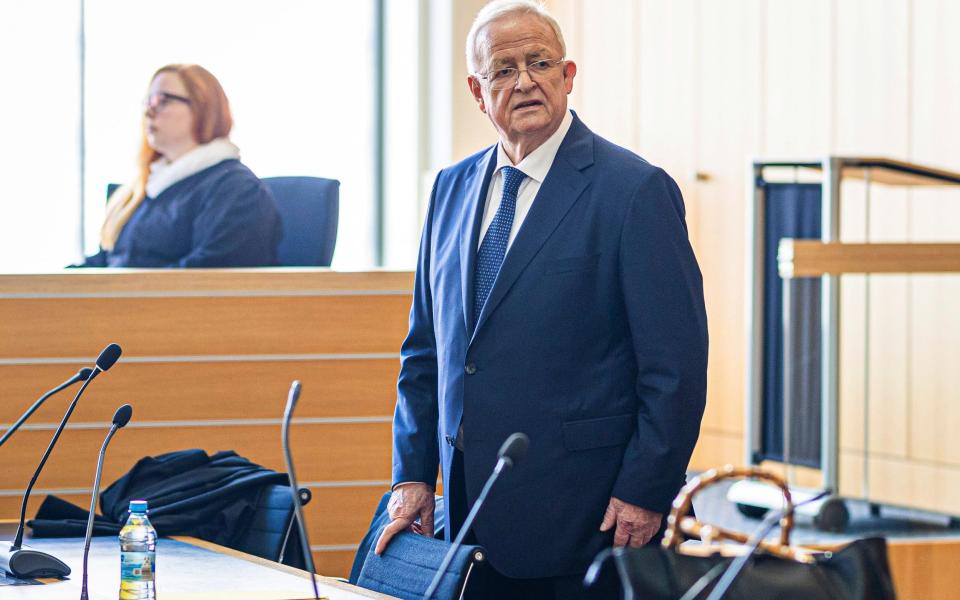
208, 357
187, 569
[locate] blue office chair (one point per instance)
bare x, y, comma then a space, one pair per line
410, 561
309, 211
271, 533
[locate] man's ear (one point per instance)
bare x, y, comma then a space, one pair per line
474, 84
569, 72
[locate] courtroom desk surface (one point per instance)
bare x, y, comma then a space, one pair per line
186, 569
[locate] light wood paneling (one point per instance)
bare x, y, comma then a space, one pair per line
337, 452
342, 515
934, 217
667, 119
924, 569
611, 54
872, 95
798, 81
717, 448
872, 77
335, 563
215, 390
106, 282
935, 381
203, 326
903, 481
729, 117
10, 505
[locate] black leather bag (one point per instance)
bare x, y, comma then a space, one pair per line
856, 571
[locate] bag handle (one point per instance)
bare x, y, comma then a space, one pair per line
680, 525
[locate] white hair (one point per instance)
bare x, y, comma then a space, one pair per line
498, 9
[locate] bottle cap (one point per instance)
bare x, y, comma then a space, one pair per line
139, 506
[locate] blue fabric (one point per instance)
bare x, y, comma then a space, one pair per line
408, 565
309, 211
494, 245
222, 216
792, 211
380, 518
592, 341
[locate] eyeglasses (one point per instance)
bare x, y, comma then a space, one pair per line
161, 100
506, 77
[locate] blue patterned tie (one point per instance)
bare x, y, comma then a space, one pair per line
494, 245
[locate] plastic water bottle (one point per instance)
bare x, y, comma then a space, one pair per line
138, 555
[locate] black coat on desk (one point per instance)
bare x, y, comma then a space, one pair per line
188, 492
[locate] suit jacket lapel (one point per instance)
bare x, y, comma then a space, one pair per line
475, 196
560, 190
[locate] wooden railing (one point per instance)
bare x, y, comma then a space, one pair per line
208, 357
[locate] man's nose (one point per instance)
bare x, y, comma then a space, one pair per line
524, 80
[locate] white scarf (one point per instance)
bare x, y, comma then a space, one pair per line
164, 174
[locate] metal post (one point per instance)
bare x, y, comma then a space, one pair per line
379, 159
829, 324
787, 332
753, 415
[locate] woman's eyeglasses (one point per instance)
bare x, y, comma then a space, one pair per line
161, 100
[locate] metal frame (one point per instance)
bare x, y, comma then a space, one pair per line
832, 172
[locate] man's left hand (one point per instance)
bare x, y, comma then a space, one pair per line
635, 526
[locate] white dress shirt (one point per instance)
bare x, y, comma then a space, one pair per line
535, 166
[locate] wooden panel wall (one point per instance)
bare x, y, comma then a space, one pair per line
208, 359
716, 83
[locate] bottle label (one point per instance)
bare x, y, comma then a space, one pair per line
139, 566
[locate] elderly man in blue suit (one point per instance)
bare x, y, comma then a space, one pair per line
557, 295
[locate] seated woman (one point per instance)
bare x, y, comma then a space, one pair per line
193, 203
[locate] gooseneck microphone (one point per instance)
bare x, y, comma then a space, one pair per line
23, 562
513, 449
120, 419
292, 398
82, 375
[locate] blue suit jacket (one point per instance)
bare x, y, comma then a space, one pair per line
593, 342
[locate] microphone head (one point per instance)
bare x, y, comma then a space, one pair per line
514, 448
109, 356
122, 416
84, 374
294, 394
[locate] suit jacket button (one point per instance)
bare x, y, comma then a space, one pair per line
470, 369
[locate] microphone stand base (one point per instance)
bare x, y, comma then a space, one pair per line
30, 564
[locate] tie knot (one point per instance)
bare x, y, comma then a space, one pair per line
512, 178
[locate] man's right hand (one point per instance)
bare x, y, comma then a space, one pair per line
407, 502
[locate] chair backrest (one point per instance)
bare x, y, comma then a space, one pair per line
380, 518
269, 532
408, 565
410, 562
309, 210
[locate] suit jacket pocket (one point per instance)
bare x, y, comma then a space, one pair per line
598, 433
572, 264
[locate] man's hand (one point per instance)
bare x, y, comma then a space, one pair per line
407, 502
635, 526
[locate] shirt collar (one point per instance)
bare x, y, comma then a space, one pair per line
537, 164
